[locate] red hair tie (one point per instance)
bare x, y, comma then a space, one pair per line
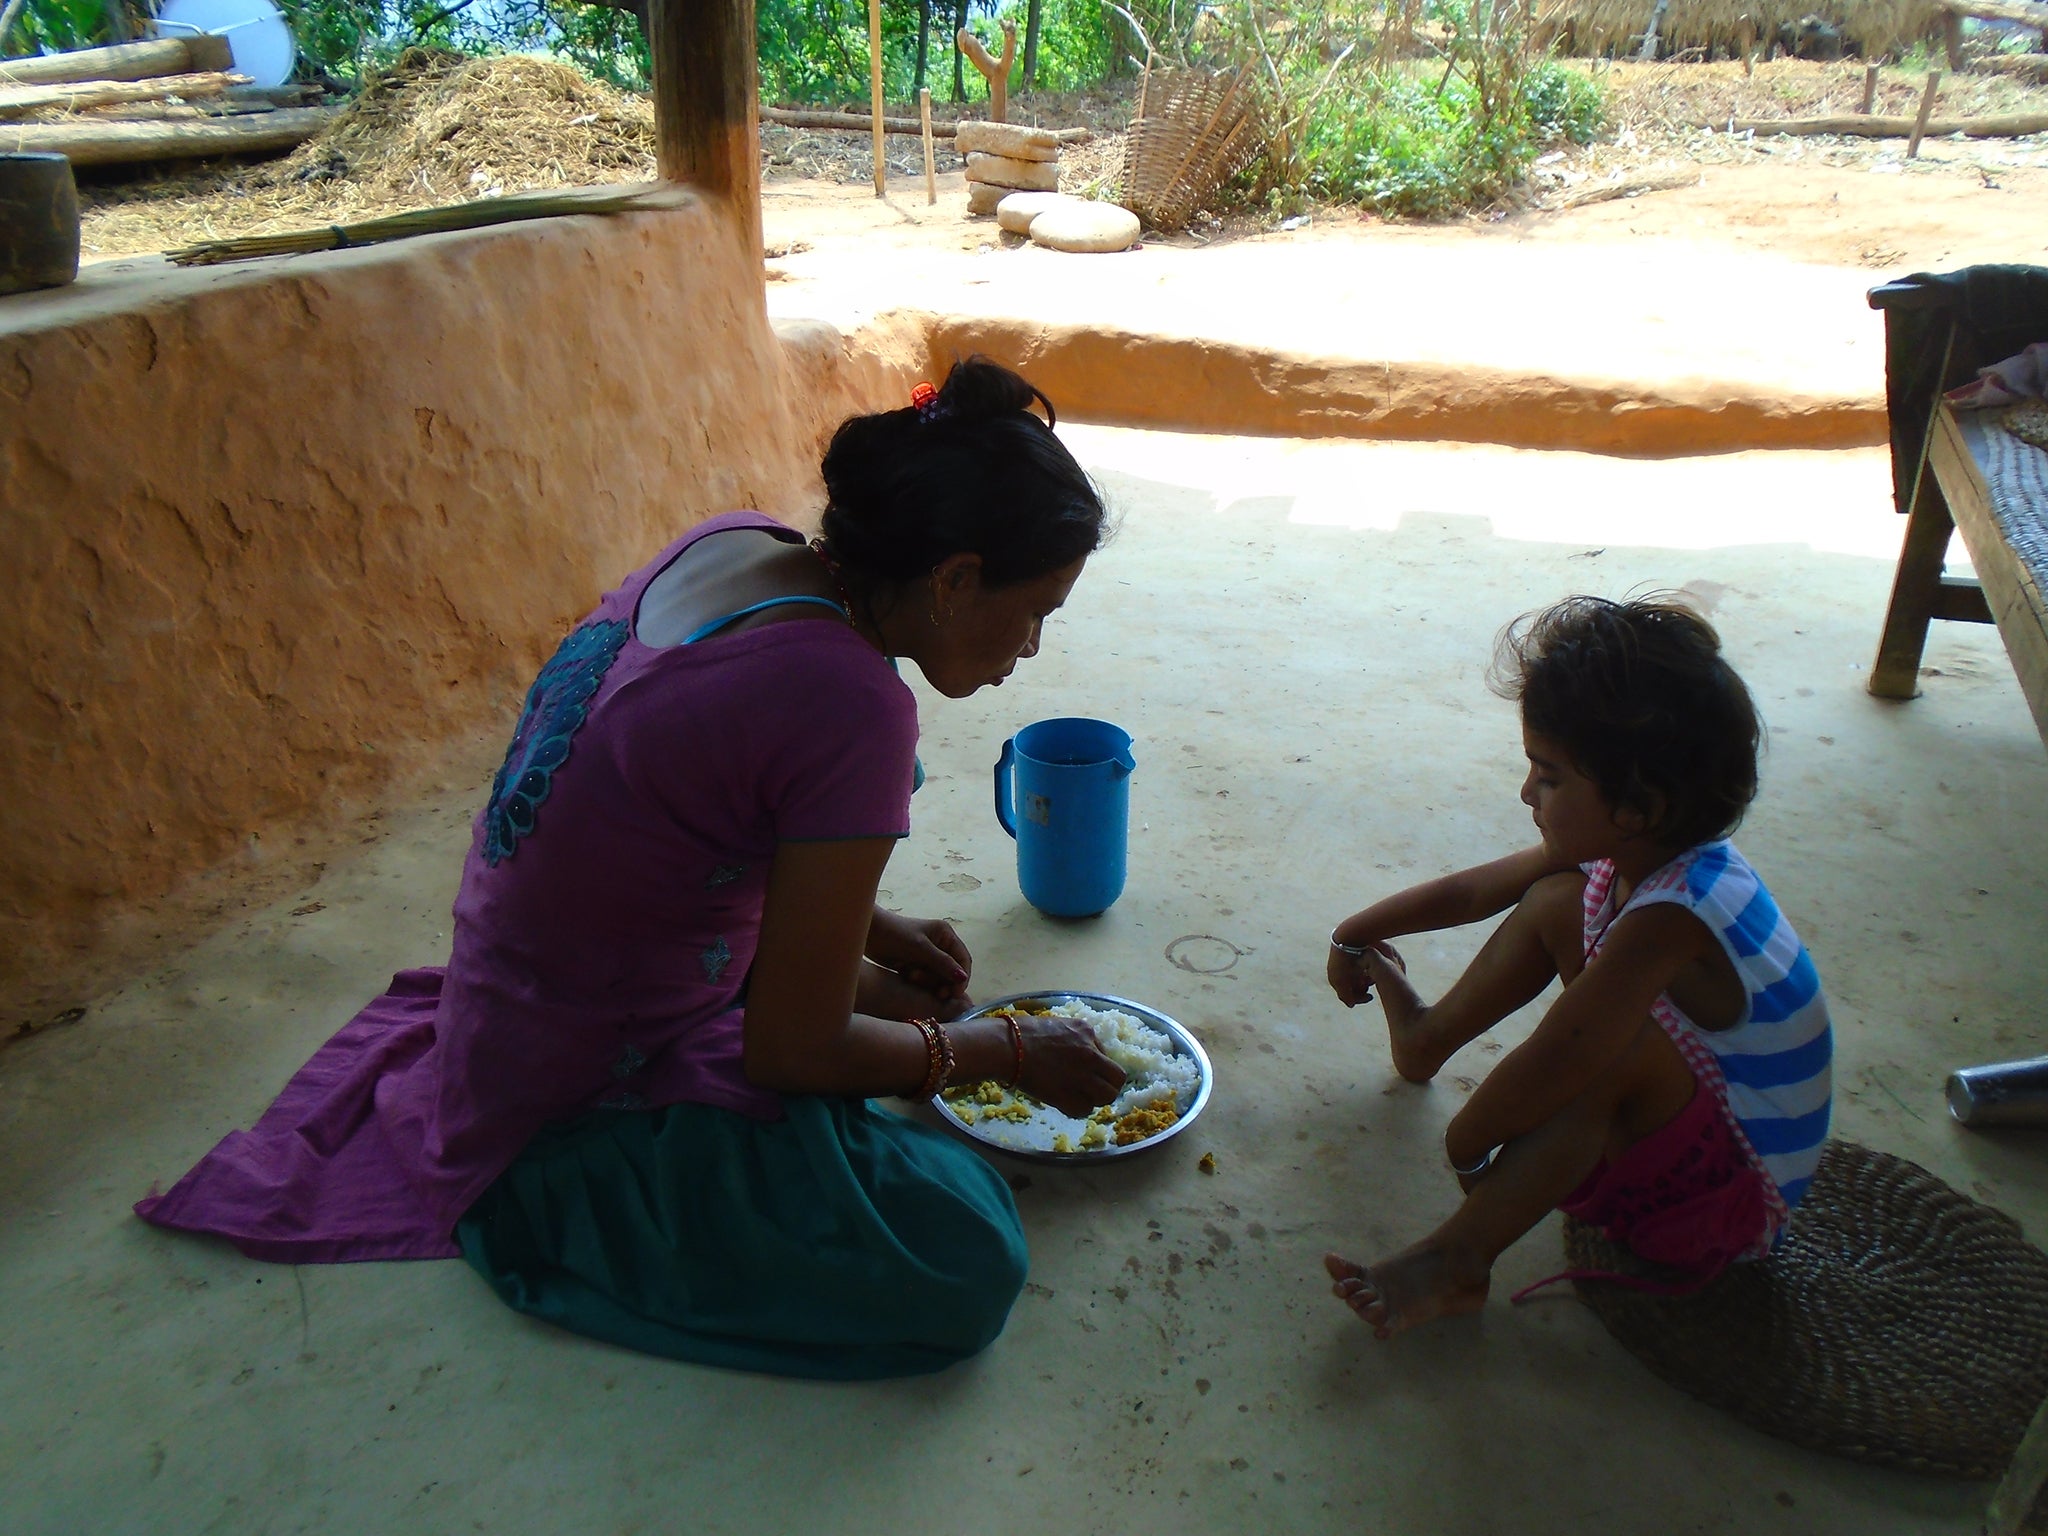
925, 400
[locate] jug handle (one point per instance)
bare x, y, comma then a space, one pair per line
1006, 809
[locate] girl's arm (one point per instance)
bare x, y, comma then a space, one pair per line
1451, 901
801, 1034
1584, 1034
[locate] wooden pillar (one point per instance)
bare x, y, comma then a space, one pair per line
707, 129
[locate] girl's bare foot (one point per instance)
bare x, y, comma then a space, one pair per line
1412, 1287
1415, 1057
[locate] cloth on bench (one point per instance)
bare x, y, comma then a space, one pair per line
1997, 311
2016, 473
2020, 377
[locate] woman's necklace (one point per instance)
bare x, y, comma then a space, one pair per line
817, 547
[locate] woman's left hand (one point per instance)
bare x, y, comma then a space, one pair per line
926, 953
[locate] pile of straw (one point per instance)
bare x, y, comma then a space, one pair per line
439, 125
1593, 28
436, 128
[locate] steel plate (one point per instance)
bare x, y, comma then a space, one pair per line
1185, 1044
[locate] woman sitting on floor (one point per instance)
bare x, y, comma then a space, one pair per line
635, 1098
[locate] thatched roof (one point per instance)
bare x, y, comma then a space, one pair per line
1594, 27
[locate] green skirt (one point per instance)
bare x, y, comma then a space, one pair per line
841, 1242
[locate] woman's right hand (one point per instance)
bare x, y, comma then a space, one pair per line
1064, 1067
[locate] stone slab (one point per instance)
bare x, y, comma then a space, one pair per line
1011, 139
1022, 175
1017, 209
1086, 228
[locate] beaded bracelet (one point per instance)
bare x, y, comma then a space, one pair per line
938, 1057
1016, 1047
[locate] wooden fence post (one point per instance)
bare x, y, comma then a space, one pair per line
924, 115
875, 91
1926, 111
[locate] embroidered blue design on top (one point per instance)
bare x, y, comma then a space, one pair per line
717, 958
556, 705
630, 1061
725, 874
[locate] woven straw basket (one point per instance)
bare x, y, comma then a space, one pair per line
1900, 1322
1193, 131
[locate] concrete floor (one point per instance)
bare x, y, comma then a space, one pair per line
1296, 635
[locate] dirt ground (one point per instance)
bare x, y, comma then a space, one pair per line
450, 130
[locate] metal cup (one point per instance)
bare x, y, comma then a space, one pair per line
2002, 1093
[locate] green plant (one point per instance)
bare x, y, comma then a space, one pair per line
1073, 46
55, 26
1418, 137
1564, 103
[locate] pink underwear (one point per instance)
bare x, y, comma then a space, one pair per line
1686, 1197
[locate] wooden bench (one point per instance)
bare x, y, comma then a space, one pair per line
1956, 471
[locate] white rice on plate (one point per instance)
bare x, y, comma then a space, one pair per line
1158, 1077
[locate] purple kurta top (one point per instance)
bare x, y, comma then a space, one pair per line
608, 915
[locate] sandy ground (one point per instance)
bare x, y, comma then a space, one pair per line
1876, 223
1295, 633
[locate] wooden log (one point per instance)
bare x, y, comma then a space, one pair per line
1628, 186
852, 122
875, 91
995, 71
706, 128
2027, 13
1869, 90
103, 143
2028, 66
275, 95
205, 110
20, 100
1926, 112
924, 112
123, 61
2012, 125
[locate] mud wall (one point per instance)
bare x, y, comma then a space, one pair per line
1199, 384
276, 535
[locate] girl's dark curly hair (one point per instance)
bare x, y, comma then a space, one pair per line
1640, 696
972, 470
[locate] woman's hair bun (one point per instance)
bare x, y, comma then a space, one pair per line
976, 388
972, 470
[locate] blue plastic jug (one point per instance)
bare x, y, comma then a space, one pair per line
1070, 812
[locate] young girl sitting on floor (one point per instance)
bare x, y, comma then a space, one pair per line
1676, 1094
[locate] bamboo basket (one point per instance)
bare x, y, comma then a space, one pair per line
1194, 129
